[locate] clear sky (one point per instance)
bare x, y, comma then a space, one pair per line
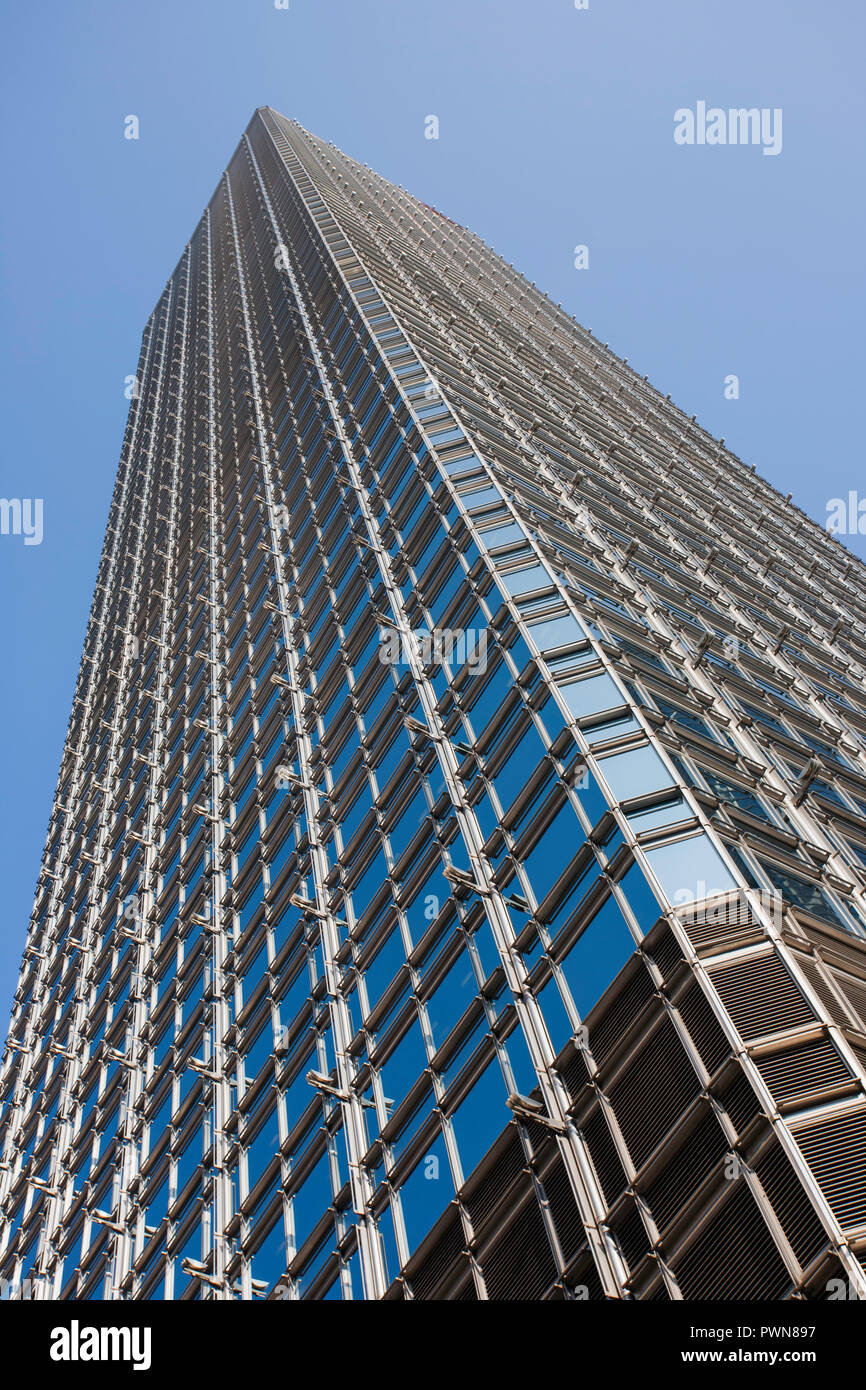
556, 129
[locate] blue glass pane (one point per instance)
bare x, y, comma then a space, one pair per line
591, 695
635, 773
689, 870
597, 956
480, 1117
426, 1192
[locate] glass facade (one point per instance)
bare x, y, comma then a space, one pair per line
462, 819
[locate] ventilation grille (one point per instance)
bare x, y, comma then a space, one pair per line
683, 1174
667, 953
848, 949
704, 1028
573, 1069
484, 1195
859, 1052
761, 996
658, 1295
734, 1256
796, 1215
836, 1011
729, 925
855, 992
805, 1072
656, 1088
608, 1023
605, 1158
739, 1100
585, 1276
835, 1150
563, 1210
520, 1264
437, 1264
631, 1235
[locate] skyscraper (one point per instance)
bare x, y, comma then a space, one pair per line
456, 882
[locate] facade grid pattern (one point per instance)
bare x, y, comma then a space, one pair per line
528, 969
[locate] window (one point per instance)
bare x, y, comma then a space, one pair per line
426, 1192
690, 870
597, 956
635, 773
736, 795
555, 632
592, 694
480, 1117
522, 581
799, 891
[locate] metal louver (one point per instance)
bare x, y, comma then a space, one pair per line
835, 1150
797, 1216
761, 996
734, 1255
806, 1073
643, 1126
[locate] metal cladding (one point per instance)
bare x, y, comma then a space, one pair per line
455, 882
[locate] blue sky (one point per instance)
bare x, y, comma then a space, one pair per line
555, 130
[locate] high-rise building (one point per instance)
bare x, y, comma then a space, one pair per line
456, 882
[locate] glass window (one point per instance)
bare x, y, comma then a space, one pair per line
451, 998
635, 773
270, 1259
384, 966
553, 851
312, 1199
426, 1193
735, 794
667, 814
591, 695
610, 727
556, 1019
684, 717
799, 891
555, 632
480, 1117
484, 497
263, 1147
502, 535
690, 870
521, 581
404, 1067
597, 956
641, 898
